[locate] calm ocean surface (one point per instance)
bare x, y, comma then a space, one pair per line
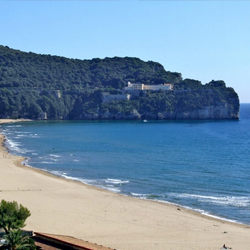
202, 165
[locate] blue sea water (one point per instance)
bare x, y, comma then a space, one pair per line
202, 165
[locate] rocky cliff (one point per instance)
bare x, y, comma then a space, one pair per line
222, 111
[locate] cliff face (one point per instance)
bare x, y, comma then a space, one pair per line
222, 111
206, 113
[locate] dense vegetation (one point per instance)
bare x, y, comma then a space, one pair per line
12, 219
31, 84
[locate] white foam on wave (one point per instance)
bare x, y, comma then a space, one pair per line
116, 181
58, 173
113, 185
65, 175
218, 217
200, 211
236, 201
96, 183
22, 135
112, 189
14, 126
14, 145
143, 196
36, 136
24, 151
55, 155
208, 214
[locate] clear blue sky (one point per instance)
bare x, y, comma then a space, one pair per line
203, 40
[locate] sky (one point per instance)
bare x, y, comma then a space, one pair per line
203, 40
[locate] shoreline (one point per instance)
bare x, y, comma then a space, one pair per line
63, 206
196, 210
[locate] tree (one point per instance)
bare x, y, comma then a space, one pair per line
12, 215
15, 240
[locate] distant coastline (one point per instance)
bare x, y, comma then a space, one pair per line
128, 88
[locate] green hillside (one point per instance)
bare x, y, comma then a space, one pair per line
31, 84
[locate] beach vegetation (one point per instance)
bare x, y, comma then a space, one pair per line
16, 240
12, 215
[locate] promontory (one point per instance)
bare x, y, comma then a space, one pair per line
38, 86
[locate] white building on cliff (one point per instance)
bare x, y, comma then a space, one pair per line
141, 86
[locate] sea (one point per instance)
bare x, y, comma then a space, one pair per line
202, 165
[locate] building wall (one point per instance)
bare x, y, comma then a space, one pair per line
108, 98
157, 87
135, 86
138, 86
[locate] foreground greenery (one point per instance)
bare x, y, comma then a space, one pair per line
12, 215
31, 84
12, 219
16, 240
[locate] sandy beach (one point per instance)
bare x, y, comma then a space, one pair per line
65, 207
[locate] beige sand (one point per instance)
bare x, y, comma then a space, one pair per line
13, 120
60, 206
